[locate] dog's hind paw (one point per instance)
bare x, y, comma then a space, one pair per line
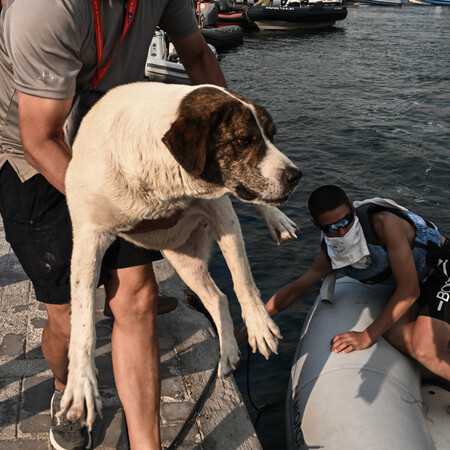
229, 360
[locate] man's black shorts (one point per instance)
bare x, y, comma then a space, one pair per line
38, 227
435, 298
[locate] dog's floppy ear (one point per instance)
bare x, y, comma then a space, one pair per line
186, 141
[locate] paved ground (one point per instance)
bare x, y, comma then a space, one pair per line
189, 353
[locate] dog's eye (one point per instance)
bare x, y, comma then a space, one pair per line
244, 141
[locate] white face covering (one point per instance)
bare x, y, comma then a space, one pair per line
349, 250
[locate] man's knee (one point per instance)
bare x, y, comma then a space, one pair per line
58, 324
133, 293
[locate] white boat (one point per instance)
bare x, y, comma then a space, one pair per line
370, 399
163, 64
310, 2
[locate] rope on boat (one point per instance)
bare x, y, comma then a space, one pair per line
250, 21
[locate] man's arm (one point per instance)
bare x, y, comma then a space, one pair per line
395, 234
291, 292
199, 61
41, 122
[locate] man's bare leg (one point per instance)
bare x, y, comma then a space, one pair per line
132, 295
430, 341
55, 342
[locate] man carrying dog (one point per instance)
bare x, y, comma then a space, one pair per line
377, 241
56, 59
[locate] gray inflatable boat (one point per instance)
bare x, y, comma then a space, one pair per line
373, 399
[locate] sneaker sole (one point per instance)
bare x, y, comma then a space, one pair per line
58, 447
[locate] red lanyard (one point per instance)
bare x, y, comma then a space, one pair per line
131, 9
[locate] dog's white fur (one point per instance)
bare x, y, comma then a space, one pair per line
122, 173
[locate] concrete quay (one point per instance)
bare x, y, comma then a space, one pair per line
189, 355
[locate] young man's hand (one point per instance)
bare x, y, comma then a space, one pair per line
352, 340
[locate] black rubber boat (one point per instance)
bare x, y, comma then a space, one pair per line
278, 18
224, 37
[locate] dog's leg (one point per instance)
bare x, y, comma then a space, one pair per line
81, 397
263, 334
190, 262
280, 226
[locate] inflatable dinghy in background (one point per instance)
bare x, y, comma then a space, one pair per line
372, 399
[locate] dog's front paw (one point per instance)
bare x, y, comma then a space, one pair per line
81, 399
229, 358
263, 333
280, 226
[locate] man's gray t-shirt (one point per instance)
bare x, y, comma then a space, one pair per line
48, 49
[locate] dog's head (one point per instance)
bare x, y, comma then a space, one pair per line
227, 140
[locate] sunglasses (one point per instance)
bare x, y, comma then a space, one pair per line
343, 223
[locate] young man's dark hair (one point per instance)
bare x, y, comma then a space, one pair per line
326, 198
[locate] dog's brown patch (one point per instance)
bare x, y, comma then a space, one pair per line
216, 133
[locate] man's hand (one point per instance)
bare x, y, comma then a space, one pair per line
158, 224
352, 340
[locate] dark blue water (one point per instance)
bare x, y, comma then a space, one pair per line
365, 105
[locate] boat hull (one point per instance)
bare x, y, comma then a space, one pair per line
164, 71
295, 18
223, 38
437, 2
367, 399
379, 2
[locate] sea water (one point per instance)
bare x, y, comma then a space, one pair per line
364, 105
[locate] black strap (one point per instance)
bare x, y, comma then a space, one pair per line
379, 277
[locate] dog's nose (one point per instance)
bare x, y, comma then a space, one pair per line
292, 176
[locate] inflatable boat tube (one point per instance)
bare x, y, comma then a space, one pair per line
224, 37
366, 400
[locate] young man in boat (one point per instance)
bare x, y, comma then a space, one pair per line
378, 241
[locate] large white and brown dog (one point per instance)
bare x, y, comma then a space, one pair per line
147, 151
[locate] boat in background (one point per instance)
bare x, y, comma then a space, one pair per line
377, 2
280, 18
163, 64
222, 38
376, 398
310, 3
438, 2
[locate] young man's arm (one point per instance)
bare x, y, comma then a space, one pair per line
199, 61
291, 292
395, 234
